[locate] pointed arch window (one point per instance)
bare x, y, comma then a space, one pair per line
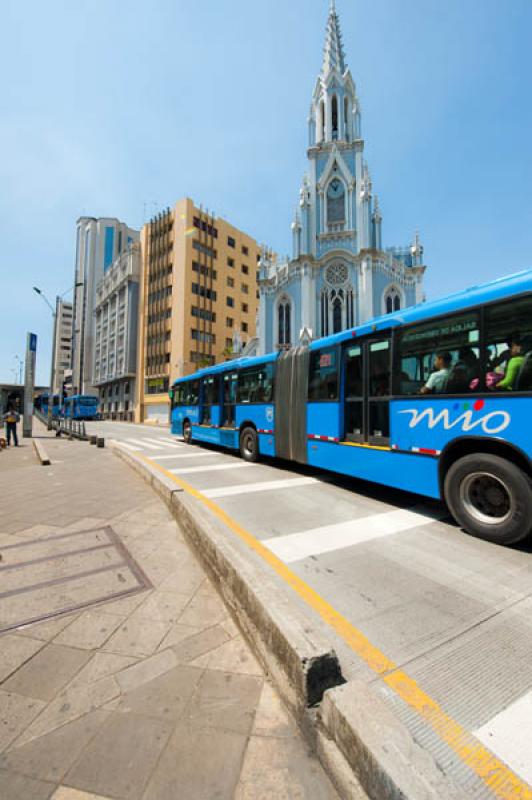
321, 122
284, 323
346, 118
334, 117
337, 315
392, 300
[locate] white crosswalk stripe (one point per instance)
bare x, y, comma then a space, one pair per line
264, 486
212, 467
297, 546
127, 446
509, 734
144, 444
164, 443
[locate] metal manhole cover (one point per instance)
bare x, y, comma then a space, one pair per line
44, 578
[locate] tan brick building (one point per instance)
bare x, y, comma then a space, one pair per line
198, 295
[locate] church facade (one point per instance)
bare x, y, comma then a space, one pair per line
339, 275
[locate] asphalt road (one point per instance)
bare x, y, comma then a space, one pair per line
453, 611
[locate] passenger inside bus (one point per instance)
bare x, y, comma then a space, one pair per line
514, 362
437, 381
464, 372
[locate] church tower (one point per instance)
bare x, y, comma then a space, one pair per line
339, 275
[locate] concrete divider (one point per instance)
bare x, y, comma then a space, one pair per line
365, 748
41, 453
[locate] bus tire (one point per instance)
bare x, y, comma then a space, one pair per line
249, 445
490, 498
187, 432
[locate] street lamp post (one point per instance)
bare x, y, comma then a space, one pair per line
54, 342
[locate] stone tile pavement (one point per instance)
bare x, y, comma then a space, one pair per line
152, 695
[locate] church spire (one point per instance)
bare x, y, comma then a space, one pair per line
333, 53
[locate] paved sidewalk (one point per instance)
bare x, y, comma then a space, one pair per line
143, 687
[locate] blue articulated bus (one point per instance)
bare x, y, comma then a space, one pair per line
434, 399
81, 406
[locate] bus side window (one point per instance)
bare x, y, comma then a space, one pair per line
439, 357
323, 375
255, 384
509, 346
192, 393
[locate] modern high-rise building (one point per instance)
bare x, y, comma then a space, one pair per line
62, 343
340, 275
115, 349
198, 300
99, 242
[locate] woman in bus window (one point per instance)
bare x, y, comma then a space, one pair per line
514, 364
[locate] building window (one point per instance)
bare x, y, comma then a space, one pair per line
231, 242
245, 308
245, 288
230, 302
229, 343
202, 336
202, 313
244, 327
392, 300
245, 250
245, 269
229, 322
203, 270
337, 315
205, 249
284, 333
334, 117
230, 262
202, 224
202, 291
230, 281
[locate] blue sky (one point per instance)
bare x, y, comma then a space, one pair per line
120, 108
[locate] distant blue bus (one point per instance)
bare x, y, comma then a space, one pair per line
434, 399
42, 402
81, 406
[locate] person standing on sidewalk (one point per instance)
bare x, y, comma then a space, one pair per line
11, 417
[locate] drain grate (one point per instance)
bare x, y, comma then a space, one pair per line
66, 572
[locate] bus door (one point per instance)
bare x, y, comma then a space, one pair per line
229, 384
209, 398
367, 391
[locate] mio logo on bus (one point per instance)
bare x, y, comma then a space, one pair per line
468, 420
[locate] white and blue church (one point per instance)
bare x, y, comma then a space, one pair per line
339, 275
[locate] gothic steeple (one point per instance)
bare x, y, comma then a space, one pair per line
333, 53
334, 114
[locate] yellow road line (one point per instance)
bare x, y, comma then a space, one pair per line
495, 774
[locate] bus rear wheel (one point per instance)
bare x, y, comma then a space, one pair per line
187, 432
490, 498
249, 445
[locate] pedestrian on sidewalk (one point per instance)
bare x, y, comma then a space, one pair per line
11, 417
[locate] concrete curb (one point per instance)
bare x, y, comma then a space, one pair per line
302, 664
382, 753
41, 453
365, 749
